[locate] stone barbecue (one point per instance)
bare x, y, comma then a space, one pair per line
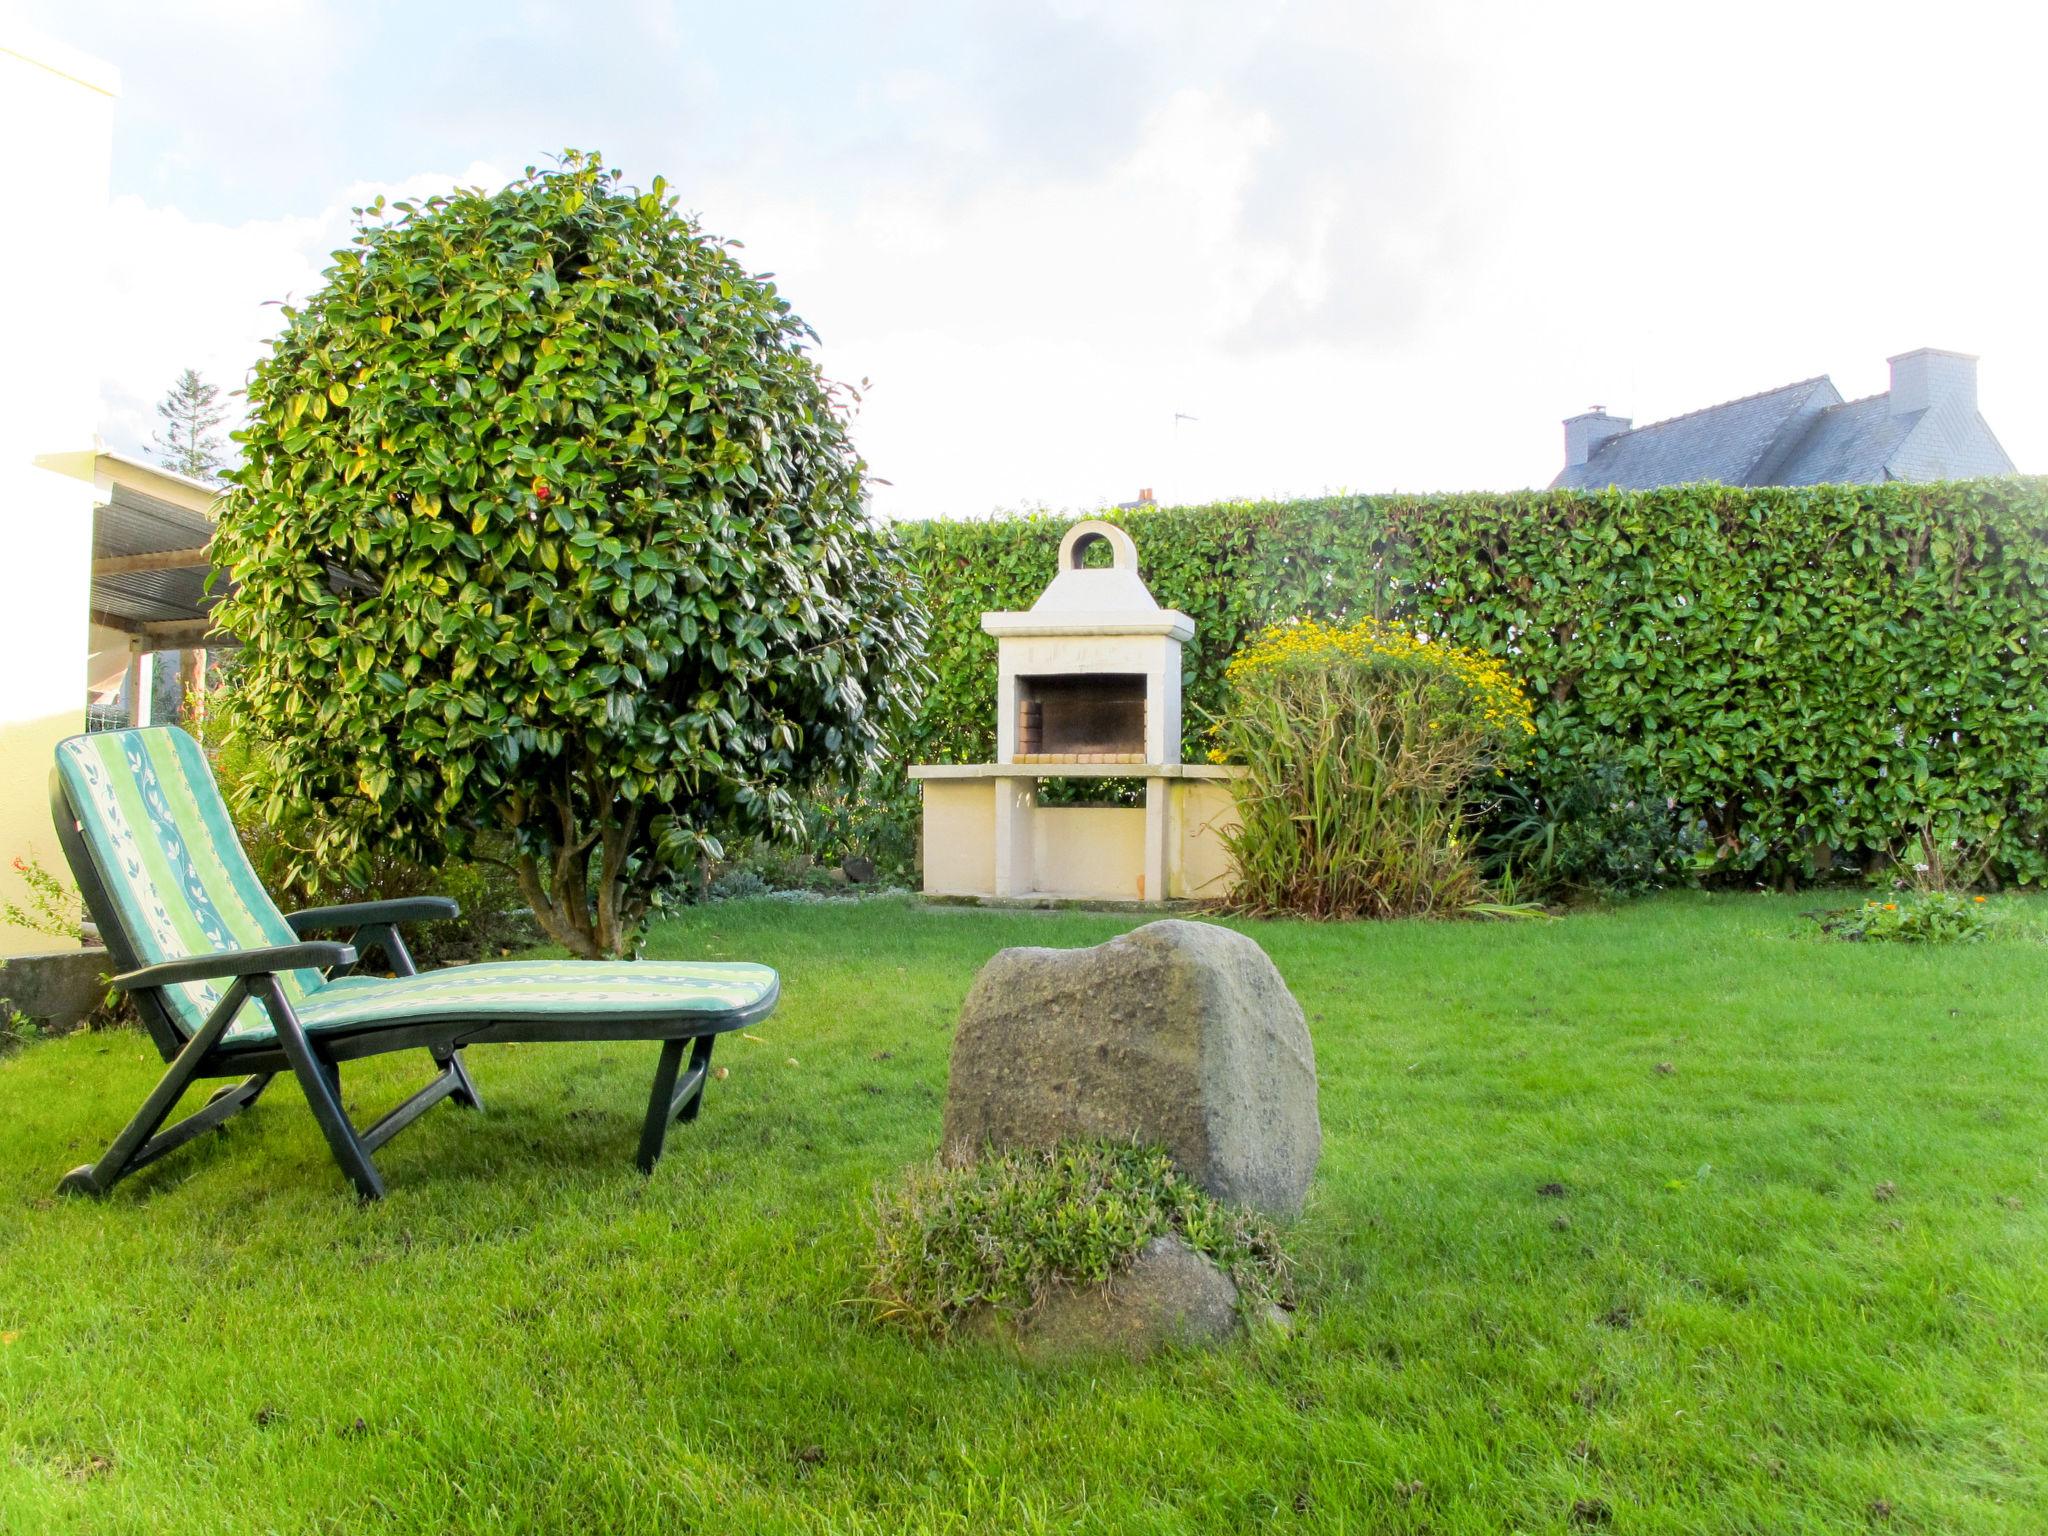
1088, 687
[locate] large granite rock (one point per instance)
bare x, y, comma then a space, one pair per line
1177, 1034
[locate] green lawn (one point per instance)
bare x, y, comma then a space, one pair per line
1796, 1279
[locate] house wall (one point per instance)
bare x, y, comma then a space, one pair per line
57, 113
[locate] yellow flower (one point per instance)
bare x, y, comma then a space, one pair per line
1891, 906
1494, 695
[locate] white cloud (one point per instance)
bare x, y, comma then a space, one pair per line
1371, 245
185, 293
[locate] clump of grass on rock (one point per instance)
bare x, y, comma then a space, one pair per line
997, 1235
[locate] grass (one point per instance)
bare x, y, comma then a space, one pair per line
1671, 1218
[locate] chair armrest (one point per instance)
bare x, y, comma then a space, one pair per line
316, 955
399, 909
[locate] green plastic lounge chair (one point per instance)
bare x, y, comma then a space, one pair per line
230, 987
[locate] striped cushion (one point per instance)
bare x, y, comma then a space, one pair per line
504, 991
175, 871
171, 863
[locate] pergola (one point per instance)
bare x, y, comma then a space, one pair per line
151, 527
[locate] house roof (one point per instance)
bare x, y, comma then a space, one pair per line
1850, 444
150, 531
1798, 434
1730, 442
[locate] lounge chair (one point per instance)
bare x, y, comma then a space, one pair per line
230, 987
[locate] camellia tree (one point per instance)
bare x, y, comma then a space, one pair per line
549, 524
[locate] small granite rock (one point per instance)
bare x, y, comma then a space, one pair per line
1170, 1295
1177, 1034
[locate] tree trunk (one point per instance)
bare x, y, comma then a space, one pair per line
592, 925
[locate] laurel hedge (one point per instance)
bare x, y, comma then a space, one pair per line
1816, 674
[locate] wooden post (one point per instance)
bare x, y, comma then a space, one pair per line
136, 687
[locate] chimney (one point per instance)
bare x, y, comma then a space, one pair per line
1930, 376
1145, 497
1585, 432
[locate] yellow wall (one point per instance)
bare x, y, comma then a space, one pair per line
959, 837
1093, 852
1203, 811
57, 110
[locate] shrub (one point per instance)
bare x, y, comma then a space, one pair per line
1932, 917
53, 907
1361, 748
738, 884
877, 822
549, 526
1000, 1232
1591, 826
1896, 664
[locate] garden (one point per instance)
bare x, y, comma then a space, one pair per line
1656, 875
1667, 1217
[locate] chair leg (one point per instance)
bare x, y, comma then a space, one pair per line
98, 1178
691, 1098
251, 1086
320, 1079
671, 1100
450, 1060
140, 1142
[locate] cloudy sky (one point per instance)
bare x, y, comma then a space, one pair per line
1363, 245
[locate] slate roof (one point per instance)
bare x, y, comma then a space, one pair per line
1850, 445
1797, 434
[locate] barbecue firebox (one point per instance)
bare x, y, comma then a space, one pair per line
1078, 718
1088, 686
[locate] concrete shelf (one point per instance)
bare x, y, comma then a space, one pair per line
1060, 770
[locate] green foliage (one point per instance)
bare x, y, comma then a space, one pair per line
877, 822
17, 1029
999, 1232
1928, 917
1591, 827
52, 908
1361, 748
549, 526
1809, 672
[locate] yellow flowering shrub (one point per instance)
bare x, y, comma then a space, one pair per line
1364, 746
1491, 696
